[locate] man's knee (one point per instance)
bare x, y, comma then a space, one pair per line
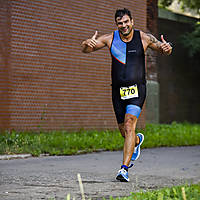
130, 123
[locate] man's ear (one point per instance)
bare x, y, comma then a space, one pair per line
132, 21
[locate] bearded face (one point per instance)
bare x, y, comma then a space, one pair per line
125, 25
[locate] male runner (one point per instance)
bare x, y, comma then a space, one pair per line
127, 46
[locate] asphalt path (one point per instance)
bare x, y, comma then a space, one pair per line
54, 177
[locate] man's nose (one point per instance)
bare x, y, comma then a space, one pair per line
123, 24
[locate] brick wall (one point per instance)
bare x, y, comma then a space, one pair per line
152, 102
47, 82
152, 16
4, 63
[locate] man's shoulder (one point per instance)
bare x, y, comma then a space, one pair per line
144, 36
142, 33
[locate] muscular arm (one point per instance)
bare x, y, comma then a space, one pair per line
154, 43
150, 41
94, 43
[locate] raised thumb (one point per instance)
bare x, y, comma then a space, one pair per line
162, 38
95, 35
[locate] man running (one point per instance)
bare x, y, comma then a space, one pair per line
127, 46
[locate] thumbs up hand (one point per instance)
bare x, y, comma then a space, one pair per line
95, 35
92, 42
165, 46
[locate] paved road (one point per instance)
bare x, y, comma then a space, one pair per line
54, 177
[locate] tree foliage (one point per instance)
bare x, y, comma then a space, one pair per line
192, 41
191, 4
165, 3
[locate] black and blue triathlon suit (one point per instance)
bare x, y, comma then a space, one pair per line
128, 69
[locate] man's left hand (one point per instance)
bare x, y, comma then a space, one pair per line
165, 46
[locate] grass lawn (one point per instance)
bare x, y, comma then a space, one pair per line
65, 143
186, 192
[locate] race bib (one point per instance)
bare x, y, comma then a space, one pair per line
129, 92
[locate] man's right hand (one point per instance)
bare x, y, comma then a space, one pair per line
92, 42
95, 43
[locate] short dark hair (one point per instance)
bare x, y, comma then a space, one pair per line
121, 12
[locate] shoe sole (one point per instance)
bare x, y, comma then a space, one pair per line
139, 147
121, 178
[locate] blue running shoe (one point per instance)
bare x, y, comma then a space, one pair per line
122, 175
136, 152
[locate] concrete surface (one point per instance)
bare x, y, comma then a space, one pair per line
54, 177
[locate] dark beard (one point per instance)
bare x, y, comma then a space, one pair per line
126, 34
